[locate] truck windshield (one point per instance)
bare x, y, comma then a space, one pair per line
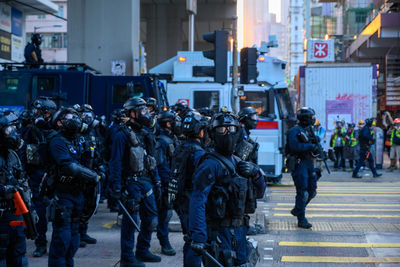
284, 104
256, 100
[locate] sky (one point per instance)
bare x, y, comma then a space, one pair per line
275, 7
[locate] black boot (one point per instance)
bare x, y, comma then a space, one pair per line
303, 223
377, 175
294, 212
39, 251
148, 257
131, 263
82, 244
89, 240
168, 250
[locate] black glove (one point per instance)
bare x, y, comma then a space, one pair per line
248, 169
9, 191
157, 193
198, 247
315, 148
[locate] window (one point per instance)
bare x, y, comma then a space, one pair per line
45, 84
202, 99
55, 40
60, 12
121, 93
11, 85
284, 103
256, 100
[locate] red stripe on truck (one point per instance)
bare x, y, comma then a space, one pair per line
267, 125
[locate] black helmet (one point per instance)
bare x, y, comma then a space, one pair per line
306, 116
9, 136
224, 131
351, 125
116, 115
151, 102
206, 111
181, 109
26, 117
45, 104
192, 124
143, 116
70, 119
248, 116
36, 38
171, 117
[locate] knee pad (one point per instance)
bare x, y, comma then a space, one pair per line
312, 194
305, 195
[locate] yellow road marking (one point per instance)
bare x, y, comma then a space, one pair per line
342, 204
339, 209
109, 225
340, 259
338, 244
349, 194
341, 215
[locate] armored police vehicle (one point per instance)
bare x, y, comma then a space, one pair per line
70, 84
268, 95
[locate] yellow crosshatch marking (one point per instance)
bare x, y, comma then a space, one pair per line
343, 204
342, 215
340, 259
337, 244
339, 209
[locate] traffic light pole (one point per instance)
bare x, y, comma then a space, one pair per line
235, 67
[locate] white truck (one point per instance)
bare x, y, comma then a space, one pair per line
338, 91
269, 96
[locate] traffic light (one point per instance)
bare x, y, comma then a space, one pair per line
219, 54
248, 65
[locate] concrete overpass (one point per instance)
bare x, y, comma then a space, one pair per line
101, 31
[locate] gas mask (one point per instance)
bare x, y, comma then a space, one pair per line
71, 124
144, 118
225, 139
251, 122
11, 138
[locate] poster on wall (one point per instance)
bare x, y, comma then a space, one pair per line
16, 22
338, 110
5, 17
5, 45
17, 49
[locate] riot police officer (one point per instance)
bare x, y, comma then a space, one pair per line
247, 148
12, 238
33, 53
169, 122
219, 200
90, 158
366, 140
187, 155
300, 147
132, 167
66, 207
151, 104
35, 136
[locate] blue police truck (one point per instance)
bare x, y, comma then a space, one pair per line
72, 83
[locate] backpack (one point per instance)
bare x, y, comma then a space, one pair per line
180, 184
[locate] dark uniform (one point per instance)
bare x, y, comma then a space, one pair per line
12, 238
34, 46
70, 176
132, 167
220, 198
304, 174
247, 148
366, 139
169, 122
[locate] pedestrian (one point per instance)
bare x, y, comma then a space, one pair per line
366, 140
395, 145
337, 143
351, 148
302, 151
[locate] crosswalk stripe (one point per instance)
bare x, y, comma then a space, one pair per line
340, 259
349, 194
109, 225
342, 215
342, 204
339, 209
338, 244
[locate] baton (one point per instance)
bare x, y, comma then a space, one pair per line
213, 259
129, 216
